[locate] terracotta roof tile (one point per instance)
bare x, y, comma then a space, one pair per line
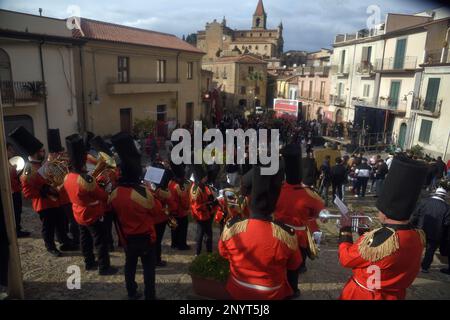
104, 31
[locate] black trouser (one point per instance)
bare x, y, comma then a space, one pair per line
95, 235
292, 275
204, 228
160, 229
179, 234
108, 221
4, 261
73, 228
140, 247
17, 203
53, 220
361, 186
430, 249
337, 190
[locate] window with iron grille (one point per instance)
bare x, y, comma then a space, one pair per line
190, 70
257, 90
123, 69
161, 71
425, 131
243, 90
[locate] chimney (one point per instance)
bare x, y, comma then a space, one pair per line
40, 12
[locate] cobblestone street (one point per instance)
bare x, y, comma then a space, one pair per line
45, 277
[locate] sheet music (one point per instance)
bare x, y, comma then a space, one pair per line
341, 206
154, 175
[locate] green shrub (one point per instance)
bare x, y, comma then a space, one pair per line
142, 127
210, 266
417, 151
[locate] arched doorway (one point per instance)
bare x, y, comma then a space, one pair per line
319, 114
339, 116
402, 135
6, 84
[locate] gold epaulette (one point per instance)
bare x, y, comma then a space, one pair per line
314, 195
284, 236
163, 194
236, 228
146, 202
89, 185
385, 249
422, 236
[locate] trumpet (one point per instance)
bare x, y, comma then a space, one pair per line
359, 222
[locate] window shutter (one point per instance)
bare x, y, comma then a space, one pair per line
365, 52
393, 95
400, 54
432, 93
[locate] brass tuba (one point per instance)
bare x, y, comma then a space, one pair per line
104, 165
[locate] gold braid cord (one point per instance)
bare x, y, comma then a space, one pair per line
284, 236
374, 254
146, 202
230, 232
314, 195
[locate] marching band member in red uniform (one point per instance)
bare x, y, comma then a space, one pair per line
135, 208
386, 261
107, 180
297, 206
224, 212
88, 205
260, 250
56, 151
44, 198
203, 206
16, 190
179, 188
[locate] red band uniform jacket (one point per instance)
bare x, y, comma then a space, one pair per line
259, 252
88, 199
201, 203
299, 207
181, 199
396, 251
136, 209
34, 187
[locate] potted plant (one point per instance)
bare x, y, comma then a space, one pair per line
209, 273
36, 89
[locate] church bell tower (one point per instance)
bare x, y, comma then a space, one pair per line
259, 17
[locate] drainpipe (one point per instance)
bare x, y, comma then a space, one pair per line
83, 126
351, 75
43, 81
444, 54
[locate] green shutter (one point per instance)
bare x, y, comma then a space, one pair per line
425, 131
400, 54
394, 93
432, 93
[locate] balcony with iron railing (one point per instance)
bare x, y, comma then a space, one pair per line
427, 108
308, 71
398, 107
365, 68
322, 70
338, 100
437, 56
22, 92
393, 64
341, 69
142, 85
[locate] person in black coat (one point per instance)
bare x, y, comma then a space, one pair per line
338, 176
432, 215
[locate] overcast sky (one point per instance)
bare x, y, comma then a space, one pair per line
308, 24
